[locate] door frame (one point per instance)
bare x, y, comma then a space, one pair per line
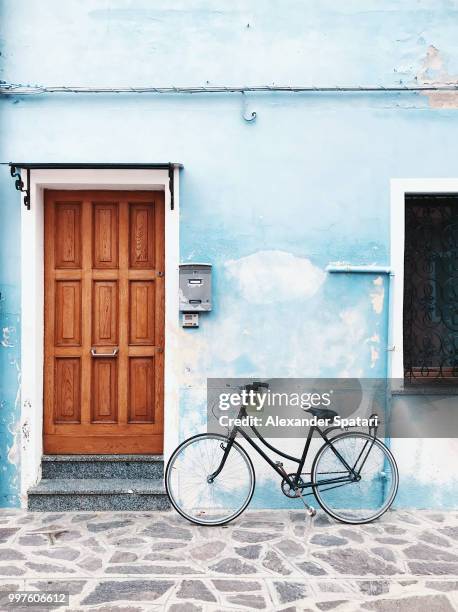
32, 299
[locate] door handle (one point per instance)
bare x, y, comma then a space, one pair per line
114, 353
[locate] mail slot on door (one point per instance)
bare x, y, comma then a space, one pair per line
195, 287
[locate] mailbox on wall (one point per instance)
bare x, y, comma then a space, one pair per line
195, 287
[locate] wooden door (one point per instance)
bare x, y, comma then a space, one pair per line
104, 322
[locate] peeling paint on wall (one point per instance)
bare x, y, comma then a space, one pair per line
267, 277
10, 393
434, 72
377, 295
25, 429
7, 333
374, 344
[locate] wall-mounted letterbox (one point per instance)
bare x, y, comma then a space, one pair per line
195, 287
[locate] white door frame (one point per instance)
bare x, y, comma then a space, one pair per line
399, 189
32, 300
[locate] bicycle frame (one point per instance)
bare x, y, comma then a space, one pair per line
293, 482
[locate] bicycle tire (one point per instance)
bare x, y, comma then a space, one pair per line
315, 485
172, 497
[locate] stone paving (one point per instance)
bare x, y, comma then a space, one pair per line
265, 560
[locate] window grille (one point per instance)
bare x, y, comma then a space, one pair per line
431, 288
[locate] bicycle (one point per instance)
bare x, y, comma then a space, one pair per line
210, 478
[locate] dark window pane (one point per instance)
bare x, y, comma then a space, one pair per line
431, 288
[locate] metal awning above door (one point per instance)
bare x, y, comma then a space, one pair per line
15, 168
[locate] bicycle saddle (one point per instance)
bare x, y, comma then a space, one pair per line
322, 413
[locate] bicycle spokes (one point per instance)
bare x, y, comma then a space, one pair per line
365, 492
206, 484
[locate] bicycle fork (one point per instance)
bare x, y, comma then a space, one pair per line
226, 449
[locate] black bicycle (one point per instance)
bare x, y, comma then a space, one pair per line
210, 478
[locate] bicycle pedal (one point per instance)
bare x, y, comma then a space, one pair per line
311, 511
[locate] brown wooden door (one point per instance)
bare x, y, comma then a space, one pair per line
104, 322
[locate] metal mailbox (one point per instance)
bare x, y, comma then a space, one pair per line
195, 287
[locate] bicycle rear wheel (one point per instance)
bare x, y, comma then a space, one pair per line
203, 502
360, 500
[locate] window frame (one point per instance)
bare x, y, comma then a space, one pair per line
399, 189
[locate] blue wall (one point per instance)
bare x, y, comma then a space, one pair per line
268, 203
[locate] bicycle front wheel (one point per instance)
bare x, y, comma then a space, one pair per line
189, 490
351, 499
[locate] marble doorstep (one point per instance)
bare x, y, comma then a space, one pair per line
103, 466
99, 482
265, 560
96, 485
68, 494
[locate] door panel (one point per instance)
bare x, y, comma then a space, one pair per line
105, 238
141, 370
104, 322
68, 235
104, 391
141, 312
142, 237
68, 313
67, 392
105, 313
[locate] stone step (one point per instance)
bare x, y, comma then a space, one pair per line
102, 466
97, 494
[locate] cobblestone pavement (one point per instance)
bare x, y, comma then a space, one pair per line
265, 560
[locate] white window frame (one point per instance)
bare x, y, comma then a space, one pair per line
399, 189
32, 300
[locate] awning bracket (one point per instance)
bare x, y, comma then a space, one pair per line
19, 184
16, 167
171, 186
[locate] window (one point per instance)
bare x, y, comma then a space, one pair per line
431, 288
